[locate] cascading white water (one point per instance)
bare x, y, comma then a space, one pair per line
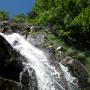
47, 75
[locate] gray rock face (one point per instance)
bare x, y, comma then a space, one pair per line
36, 40
78, 70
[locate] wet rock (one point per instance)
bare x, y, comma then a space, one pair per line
6, 84
5, 49
28, 80
36, 40
10, 61
32, 28
61, 80
78, 70
10, 68
36, 28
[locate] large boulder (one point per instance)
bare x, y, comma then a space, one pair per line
10, 61
28, 79
6, 84
78, 70
12, 69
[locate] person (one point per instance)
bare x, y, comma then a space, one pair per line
26, 32
52, 51
58, 53
55, 53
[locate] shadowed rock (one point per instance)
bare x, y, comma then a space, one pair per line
10, 68
10, 61
78, 70
28, 79
6, 84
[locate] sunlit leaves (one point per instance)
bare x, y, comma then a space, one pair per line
4, 15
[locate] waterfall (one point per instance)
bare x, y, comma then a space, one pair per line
47, 75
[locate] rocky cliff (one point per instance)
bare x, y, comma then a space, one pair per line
12, 74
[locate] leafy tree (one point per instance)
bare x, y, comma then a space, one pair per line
32, 14
4, 15
81, 25
68, 16
20, 17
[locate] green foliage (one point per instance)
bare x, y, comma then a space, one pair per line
68, 20
72, 16
83, 20
32, 14
60, 7
20, 17
81, 57
4, 15
80, 26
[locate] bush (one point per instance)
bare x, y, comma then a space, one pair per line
71, 52
4, 15
81, 26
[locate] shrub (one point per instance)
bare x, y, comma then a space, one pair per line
4, 15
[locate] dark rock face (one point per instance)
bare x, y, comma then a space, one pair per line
78, 70
6, 84
10, 63
5, 49
28, 80
10, 68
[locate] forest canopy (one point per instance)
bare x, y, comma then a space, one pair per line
68, 18
4, 15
